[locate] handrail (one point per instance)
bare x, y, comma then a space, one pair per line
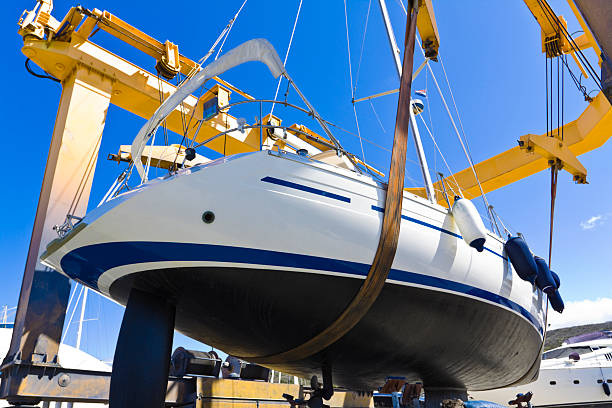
286, 128
229, 105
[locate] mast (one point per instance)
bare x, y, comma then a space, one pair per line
415, 130
392, 42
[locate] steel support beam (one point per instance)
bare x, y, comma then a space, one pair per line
65, 189
32, 383
590, 131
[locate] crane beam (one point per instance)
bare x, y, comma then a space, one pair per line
590, 131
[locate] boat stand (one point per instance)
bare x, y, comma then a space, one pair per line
144, 346
434, 396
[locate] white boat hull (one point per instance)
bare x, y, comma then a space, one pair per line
290, 243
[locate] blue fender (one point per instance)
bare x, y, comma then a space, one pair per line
556, 302
521, 258
544, 279
556, 278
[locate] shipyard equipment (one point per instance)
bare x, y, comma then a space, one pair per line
93, 77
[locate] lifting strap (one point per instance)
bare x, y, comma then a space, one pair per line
389, 235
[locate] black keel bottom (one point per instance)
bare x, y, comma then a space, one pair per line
142, 356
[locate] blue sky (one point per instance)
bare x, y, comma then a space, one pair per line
492, 55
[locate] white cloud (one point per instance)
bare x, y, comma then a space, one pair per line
581, 312
593, 222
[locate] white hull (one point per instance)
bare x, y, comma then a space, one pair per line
289, 214
566, 383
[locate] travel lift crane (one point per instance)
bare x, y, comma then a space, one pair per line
588, 132
92, 77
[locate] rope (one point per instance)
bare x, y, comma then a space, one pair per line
297, 16
554, 171
348, 49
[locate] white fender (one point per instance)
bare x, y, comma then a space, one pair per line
470, 224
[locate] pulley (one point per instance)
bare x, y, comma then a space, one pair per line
169, 65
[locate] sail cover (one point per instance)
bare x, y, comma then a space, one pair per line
257, 49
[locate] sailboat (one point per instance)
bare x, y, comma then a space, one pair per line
259, 254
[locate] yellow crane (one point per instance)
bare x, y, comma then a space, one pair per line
93, 77
535, 152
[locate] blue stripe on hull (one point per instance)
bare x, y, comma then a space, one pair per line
307, 189
428, 225
86, 264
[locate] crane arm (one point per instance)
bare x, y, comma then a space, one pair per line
590, 131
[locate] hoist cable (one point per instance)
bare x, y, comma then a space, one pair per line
549, 13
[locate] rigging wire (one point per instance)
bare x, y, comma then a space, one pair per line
376, 115
467, 144
472, 167
297, 16
365, 30
348, 49
401, 3
441, 155
229, 29
468, 156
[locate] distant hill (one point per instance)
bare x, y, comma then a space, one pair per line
554, 338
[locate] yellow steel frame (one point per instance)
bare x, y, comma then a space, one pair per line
536, 152
136, 90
